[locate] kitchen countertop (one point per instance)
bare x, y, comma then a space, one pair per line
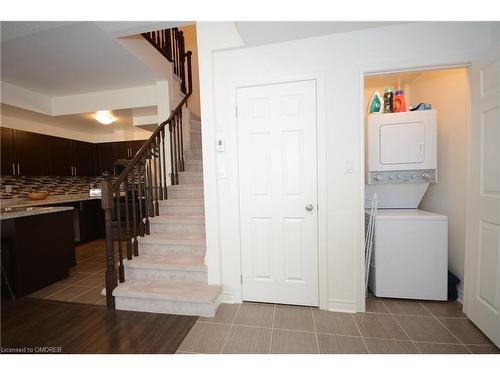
32, 211
51, 199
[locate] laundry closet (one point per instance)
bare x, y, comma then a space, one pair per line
415, 177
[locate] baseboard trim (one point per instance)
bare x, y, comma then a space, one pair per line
338, 305
229, 298
460, 297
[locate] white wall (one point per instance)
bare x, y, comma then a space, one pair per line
341, 60
448, 92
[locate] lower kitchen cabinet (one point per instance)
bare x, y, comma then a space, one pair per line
91, 220
37, 251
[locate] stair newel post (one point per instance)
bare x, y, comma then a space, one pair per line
182, 60
127, 221
118, 208
140, 190
150, 203
146, 197
134, 214
181, 148
172, 164
179, 143
158, 166
190, 77
107, 206
163, 146
169, 45
154, 175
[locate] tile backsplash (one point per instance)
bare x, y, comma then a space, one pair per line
55, 185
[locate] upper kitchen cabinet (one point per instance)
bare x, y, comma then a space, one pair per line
105, 158
59, 156
84, 158
29, 153
7, 150
122, 150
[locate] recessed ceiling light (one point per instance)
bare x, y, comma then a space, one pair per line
105, 117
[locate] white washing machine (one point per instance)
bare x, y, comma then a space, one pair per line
410, 257
410, 252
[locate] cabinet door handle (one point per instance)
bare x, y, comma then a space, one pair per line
13, 169
18, 172
81, 206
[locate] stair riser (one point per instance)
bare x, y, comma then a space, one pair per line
184, 194
165, 275
195, 137
193, 155
182, 210
190, 179
171, 249
192, 167
196, 147
206, 309
175, 228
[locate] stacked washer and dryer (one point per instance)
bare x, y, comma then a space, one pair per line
410, 248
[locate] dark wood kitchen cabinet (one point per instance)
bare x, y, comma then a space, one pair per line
83, 158
122, 150
29, 153
91, 220
59, 156
67, 157
7, 150
105, 158
23, 153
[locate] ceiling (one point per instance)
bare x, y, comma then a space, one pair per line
259, 33
64, 58
390, 80
82, 122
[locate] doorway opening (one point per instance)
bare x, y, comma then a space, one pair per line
420, 231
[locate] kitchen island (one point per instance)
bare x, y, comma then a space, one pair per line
38, 247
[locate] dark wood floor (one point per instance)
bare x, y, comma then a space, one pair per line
78, 328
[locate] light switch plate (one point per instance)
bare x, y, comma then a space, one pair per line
220, 144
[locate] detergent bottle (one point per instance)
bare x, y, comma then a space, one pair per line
399, 101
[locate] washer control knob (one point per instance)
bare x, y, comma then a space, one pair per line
413, 176
391, 177
400, 177
379, 177
427, 175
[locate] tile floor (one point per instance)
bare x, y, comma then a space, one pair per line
389, 326
86, 279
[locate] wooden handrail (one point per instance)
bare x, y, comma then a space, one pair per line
144, 178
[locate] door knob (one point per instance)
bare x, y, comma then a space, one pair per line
309, 207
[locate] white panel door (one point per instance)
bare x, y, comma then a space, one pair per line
482, 262
278, 192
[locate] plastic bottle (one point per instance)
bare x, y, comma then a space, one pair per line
399, 101
388, 100
375, 104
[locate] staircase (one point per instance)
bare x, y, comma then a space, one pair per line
170, 275
160, 225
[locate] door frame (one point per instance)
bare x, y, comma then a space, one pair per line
389, 67
321, 147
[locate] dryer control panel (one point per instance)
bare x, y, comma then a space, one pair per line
401, 177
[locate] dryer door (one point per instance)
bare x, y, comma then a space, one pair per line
402, 141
